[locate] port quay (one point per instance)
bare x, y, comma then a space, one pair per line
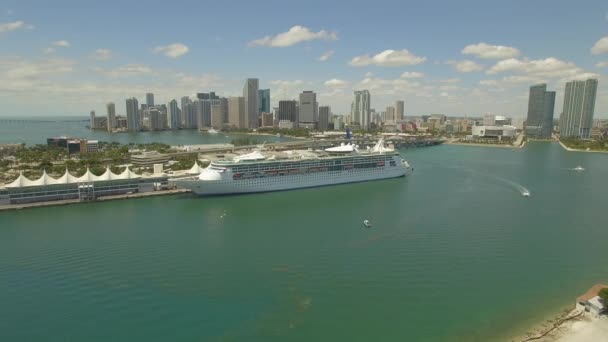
48, 191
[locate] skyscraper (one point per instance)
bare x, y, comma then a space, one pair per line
111, 110
173, 115
390, 116
92, 120
219, 112
576, 119
132, 114
399, 110
324, 116
203, 113
236, 112
541, 104
150, 99
360, 108
287, 110
264, 100
250, 93
307, 110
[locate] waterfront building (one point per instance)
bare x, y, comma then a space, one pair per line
153, 119
132, 114
121, 122
324, 115
84, 188
360, 109
207, 96
87, 146
264, 100
219, 112
267, 119
576, 119
173, 115
541, 104
399, 110
149, 99
389, 116
287, 111
495, 132
236, 112
111, 111
250, 93
338, 122
286, 124
308, 110
100, 122
92, 120
148, 159
203, 113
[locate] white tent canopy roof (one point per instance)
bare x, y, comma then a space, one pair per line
68, 178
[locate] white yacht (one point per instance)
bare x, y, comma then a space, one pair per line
261, 171
212, 131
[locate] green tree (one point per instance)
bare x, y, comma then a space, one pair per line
604, 295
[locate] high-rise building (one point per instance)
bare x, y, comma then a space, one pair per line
207, 96
541, 104
360, 109
203, 113
92, 120
267, 119
308, 109
287, 110
153, 119
149, 99
219, 112
250, 93
576, 119
133, 115
264, 100
187, 121
399, 110
389, 116
236, 112
174, 120
111, 111
324, 116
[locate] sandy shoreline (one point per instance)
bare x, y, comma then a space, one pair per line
576, 325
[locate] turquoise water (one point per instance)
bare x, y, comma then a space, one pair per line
33, 132
455, 253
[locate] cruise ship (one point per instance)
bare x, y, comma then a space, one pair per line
262, 171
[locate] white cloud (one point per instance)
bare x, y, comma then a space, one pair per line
444, 94
125, 70
102, 54
602, 64
285, 89
295, 35
450, 80
61, 43
48, 50
172, 50
487, 51
369, 74
412, 74
548, 67
388, 58
488, 82
601, 46
15, 25
465, 65
336, 83
325, 56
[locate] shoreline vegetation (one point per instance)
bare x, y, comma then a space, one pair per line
519, 142
579, 145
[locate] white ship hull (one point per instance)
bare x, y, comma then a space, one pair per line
227, 185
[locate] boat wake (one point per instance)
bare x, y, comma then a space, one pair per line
516, 186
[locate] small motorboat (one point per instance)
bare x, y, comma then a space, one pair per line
367, 223
579, 168
526, 193
212, 131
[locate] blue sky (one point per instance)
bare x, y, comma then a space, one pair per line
465, 57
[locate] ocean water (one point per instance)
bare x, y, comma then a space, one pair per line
456, 253
35, 130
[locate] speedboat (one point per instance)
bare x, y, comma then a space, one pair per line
367, 223
526, 193
212, 131
579, 168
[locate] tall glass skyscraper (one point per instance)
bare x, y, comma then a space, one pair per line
360, 108
579, 104
264, 100
133, 114
541, 105
250, 93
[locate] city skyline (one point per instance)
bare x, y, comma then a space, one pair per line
452, 68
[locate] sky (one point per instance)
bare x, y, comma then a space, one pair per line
452, 57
